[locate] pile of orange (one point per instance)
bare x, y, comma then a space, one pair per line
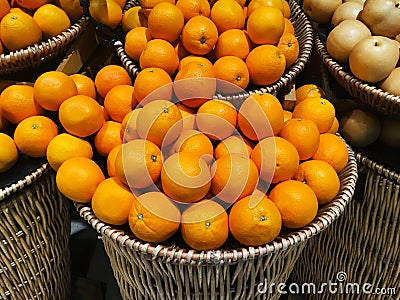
236, 43
203, 171
27, 22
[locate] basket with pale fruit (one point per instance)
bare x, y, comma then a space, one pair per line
359, 42
33, 32
260, 46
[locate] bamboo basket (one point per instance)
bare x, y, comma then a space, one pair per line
38, 54
150, 271
363, 243
303, 32
34, 239
376, 98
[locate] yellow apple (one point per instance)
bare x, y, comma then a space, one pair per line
346, 11
391, 84
320, 11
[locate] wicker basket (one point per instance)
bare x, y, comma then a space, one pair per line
303, 32
378, 99
363, 243
147, 271
34, 239
37, 54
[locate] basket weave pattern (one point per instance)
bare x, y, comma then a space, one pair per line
364, 243
34, 239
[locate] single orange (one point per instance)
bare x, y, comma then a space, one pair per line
296, 202
112, 202
227, 14
286, 9
199, 59
65, 146
85, 85
196, 142
31, 4
108, 137
303, 134
289, 28
232, 144
255, 220
309, 90
81, 115
151, 80
5, 8
52, 88
153, 217
193, 8
119, 101
205, 225
52, 20
289, 46
149, 4
232, 69
135, 41
107, 12
132, 18
254, 4
335, 126
110, 76
17, 103
234, 42
111, 161
8, 152
33, 134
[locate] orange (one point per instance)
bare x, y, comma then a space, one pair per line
260, 115
150, 80
73, 8
160, 122
149, 4
296, 202
65, 146
132, 18
30, 4
217, 119
234, 176
234, 42
111, 161
289, 28
193, 8
165, 21
180, 49
255, 220
195, 84
185, 177
190, 58
309, 91
110, 76
319, 110
112, 202
205, 225
287, 115
128, 126
33, 134
276, 159
106, 12
303, 134
265, 25
227, 14
121, 3
195, 142
231, 69
332, 149
4, 124
8, 152
232, 144
85, 85
5, 8
19, 30
17, 103
335, 126
289, 46
188, 117
138, 163
108, 137
52, 88
321, 177
199, 35
81, 115
119, 101
254, 4
135, 41
153, 217
286, 9
52, 20
266, 64
159, 53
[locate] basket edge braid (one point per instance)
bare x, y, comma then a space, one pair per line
304, 33
36, 54
377, 167
378, 99
327, 215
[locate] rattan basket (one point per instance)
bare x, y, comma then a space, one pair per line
303, 32
37, 54
363, 244
149, 271
376, 98
34, 239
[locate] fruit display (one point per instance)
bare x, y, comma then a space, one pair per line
203, 172
362, 36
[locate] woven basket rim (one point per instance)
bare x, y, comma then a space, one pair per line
377, 167
23, 182
335, 68
53, 42
289, 74
325, 217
